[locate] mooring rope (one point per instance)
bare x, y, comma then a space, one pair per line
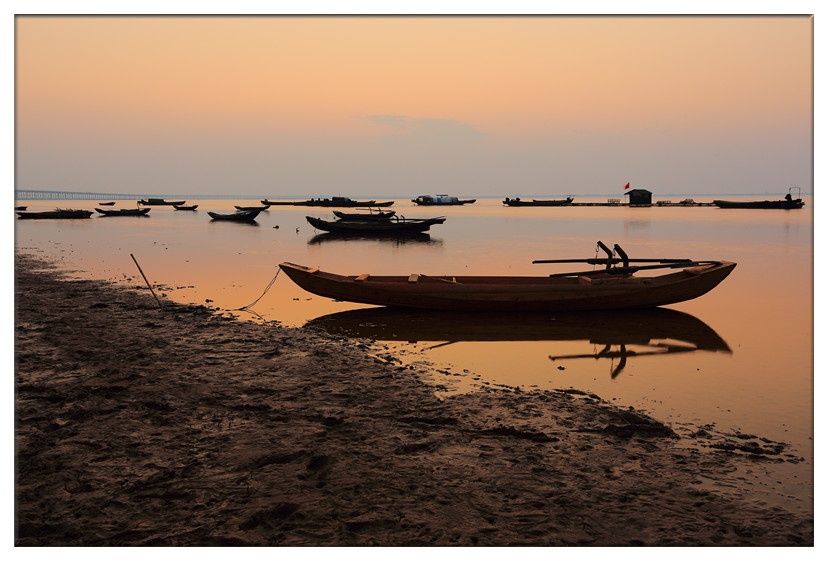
253, 303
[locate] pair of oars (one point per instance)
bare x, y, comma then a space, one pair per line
660, 264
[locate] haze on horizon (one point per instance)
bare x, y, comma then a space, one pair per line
402, 106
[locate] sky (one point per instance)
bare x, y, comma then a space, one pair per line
400, 106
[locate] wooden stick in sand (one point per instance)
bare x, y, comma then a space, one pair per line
146, 281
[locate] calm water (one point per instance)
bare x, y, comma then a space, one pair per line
740, 357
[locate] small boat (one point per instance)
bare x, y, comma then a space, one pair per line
110, 203
159, 202
394, 226
372, 214
788, 203
332, 202
60, 213
238, 216
613, 287
124, 211
20, 208
445, 200
537, 202
259, 208
185, 207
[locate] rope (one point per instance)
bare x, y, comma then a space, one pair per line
253, 303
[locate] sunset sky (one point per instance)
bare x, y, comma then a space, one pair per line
403, 106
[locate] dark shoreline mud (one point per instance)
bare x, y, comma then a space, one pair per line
141, 427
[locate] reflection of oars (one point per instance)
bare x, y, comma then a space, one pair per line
623, 353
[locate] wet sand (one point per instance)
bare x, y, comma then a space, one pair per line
137, 426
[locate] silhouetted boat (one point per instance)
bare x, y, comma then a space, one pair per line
441, 200
159, 202
185, 207
239, 216
394, 225
110, 203
124, 211
59, 213
788, 203
259, 208
20, 208
332, 202
536, 202
614, 287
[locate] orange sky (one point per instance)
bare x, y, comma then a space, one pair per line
285, 95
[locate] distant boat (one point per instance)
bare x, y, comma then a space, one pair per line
183, 207
259, 208
110, 203
612, 288
788, 203
536, 202
428, 200
332, 202
59, 213
239, 216
391, 226
159, 202
124, 211
20, 208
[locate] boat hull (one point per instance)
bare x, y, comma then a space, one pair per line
124, 211
784, 204
159, 202
512, 294
387, 227
55, 214
537, 202
240, 216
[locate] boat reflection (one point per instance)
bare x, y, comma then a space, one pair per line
396, 239
620, 335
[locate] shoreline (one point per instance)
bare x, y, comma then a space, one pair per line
140, 426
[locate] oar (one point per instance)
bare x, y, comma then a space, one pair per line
633, 269
604, 260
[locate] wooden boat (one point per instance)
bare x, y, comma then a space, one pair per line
372, 214
185, 207
613, 287
332, 202
124, 211
110, 203
20, 208
159, 202
394, 225
238, 216
787, 203
537, 202
445, 200
259, 208
59, 213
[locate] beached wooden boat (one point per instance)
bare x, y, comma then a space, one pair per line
537, 202
238, 216
59, 213
395, 225
185, 207
344, 202
370, 215
259, 208
124, 211
159, 202
441, 200
613, 287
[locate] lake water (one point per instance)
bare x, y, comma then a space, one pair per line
740, 357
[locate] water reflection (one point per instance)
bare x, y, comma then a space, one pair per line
613, 335
395, 239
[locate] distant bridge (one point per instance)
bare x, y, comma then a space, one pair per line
38, 195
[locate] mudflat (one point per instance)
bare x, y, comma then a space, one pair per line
137, 425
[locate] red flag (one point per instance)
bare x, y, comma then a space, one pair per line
627, 186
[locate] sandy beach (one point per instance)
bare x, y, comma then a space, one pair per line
144, 426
